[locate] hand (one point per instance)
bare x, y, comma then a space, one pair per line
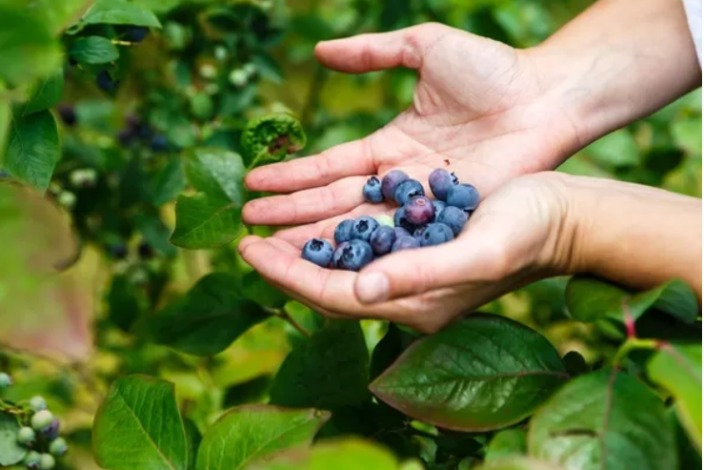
480, 109
518, 234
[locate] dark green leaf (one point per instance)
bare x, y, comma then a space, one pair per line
218, 173
261, 292
47, 94
124, 302
329, 370
205, 222
678, 369
139, 426
5, 117
270, 138
575, 363
606, 420
155, 233
207, 319
485, 372
33, 150
247, 433
168, 182
689, 457
194, 438
10, 452
394, 342
119, 12
94, 50
506, 443
251, 391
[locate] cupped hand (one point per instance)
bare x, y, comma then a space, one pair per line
519, 233
480, 109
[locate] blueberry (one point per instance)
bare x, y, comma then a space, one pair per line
343, 231
32, 460
363, 228
407, 190
159, 143
454, 218
418, 233
337, 254
51, 431
401, 221
26, 436
390, 182
372, 191
58, 447
41, 419
401, 232
419, 210
67, 113
46, 462
105, 81
440, 181
464, 196
136, 33
318, 252
118, 251
5, 380
382, 239
435, 234
439, 206
354, 255
405, 243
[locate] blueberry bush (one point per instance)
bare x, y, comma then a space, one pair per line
132, 336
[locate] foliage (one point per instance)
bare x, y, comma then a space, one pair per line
136, 121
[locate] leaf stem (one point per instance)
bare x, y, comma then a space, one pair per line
632, 344
280, 313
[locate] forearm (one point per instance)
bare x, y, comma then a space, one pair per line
634, 235
618, 61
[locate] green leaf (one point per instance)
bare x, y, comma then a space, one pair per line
10, 452
194, 438
485, 372
518, 463
205, 222
617, 149
94, 50
218, 173
506, 443
58, 15
28, 48
168, 182
606, 420
33, 150
119, 12
46, 94
678, 369
328, 371
271, 137
590, 299
258, 290
139, 426
5, 117
347, 454
247, 433
207, 319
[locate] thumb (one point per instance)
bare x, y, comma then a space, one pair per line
414, 272
378, 51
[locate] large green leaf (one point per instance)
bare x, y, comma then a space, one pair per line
485, 372
251, 432
330, 370
47, 93
166, 184
94, 50
139, 426
207, 319
205, 222
10, 452
590, 299
678, 369
506, 443
27, 46
217, 172
606, 420
119, 12
33, 149
58, 15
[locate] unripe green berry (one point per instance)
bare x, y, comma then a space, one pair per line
58, 447
26, 436
47, 462
37, 403
32, 460
385, 220
41, 419
5, 380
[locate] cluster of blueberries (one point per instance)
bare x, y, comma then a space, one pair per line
138, 131
41, 436
418, 222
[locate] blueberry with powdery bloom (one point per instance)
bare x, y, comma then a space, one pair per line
382, 239
318, 252
419, 210
463, 196
343, 231
439, 206
401, 232
405, 243
372, 191
440, 182
407, 190
364, 227
354, 256
401, 221
390, 182
436, 234
453, 217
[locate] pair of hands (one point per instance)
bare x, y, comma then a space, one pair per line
480, 105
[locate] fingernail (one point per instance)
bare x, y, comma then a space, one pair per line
372, 288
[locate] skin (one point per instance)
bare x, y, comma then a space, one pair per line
495, 113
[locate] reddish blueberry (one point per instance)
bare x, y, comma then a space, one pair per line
382, 239
440, 182
419, 210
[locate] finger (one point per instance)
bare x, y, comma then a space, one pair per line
306, 206
378, 51
349, 159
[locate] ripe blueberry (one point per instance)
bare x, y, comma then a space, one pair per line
136, 33
363, 228
26, 436
58, 447
68, 114
159, 143
354, 256
382, 239
390, 182
318, 252
405, 243
401, 221
407, 190
418, 233
454, 218
105, 82
440, 181
5, 380
439, 207
372, 191
419, 210
343, 231
464, 196
41, 419
435, 234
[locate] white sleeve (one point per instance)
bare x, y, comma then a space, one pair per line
693, 8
